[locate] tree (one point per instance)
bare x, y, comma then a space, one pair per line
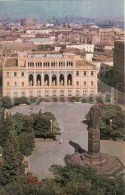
19, 122
7, 124
26, 143
6, 102
78, 180
3, 132
42, 126
21, 187
111, 122
28, 122
12, 167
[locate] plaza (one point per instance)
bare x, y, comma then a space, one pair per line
70, 117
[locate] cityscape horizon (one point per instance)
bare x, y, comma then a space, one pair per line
47, 10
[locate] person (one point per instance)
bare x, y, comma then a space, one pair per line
61, 141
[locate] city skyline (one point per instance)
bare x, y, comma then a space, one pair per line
105, 9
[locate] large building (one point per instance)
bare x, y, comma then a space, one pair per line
119, 67
48, 74
28, 22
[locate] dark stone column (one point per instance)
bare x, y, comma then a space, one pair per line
93, 141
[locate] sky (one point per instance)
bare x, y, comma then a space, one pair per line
46, 9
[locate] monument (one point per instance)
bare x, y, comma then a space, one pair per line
101, 162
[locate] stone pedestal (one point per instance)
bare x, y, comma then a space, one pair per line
102, 163
93, 141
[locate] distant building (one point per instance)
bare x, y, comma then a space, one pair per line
44, 41
110, 34
119, 66
28, 22
85, 47
48, 74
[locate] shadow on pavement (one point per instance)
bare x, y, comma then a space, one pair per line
77, 147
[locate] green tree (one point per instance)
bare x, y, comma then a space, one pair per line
42, 126
26, 143
12, 167
7, 124
6, 102
79, 180
111, 122
28, 122
3, 132
19, 122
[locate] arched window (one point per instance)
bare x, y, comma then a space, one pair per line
54, 80
31, 82
69, 79
46, 80
61, 79
38, 80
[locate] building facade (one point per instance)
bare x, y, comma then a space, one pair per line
48, 75
118, 62
28, 22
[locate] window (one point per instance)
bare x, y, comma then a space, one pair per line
15, 74
15, 84
15, 94
31, 93
22, 74
91, 92
77, 73
61, 93
77, 83
91, 83
54, 93
23, 94
46, 93
84, 92
38, 93
84, 73
7, 94
92, 73
8, 84
69, 93
77, 93
22, 84
84, 83
7, 74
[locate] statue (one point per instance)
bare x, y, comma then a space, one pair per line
69, 82
38, 83
94, 117
61, 82
46, 83
30, 83
54, 83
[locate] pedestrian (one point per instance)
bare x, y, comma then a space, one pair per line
61, 141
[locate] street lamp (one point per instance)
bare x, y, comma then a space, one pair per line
51, 121
110, 123
117, 91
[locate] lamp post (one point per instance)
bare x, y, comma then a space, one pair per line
51, 121
117, 91
110, 123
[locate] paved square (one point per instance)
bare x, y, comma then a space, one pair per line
70, 117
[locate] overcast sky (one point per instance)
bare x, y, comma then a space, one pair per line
61, 8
